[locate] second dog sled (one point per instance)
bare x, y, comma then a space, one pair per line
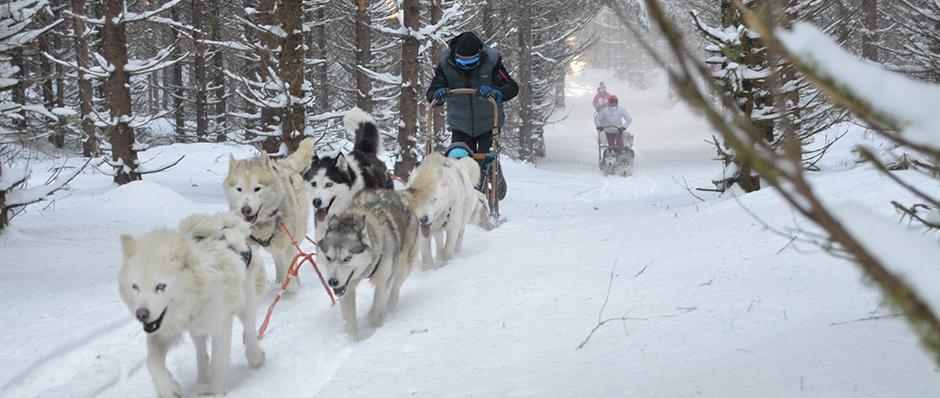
615, 159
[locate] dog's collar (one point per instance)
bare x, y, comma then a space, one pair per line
267, 242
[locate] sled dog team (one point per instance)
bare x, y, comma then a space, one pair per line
198, 278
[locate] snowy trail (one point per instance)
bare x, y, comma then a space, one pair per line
714, 306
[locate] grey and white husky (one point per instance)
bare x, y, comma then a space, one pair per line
333, 181
374, 239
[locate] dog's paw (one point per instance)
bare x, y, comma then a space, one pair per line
376, 317
213, 391
255, 358
444, 255
169, 389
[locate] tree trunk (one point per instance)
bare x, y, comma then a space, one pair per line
119, 98
363, 25
199, 80
323, 69
176, 83
46, 70
220, 103
438, 122
489, 22
408, 108
871, 36
85, 94
525, 75
18, 92
290, 14
4, 218
247, 107
269, 117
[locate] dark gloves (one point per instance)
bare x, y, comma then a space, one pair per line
439, 94
487, 91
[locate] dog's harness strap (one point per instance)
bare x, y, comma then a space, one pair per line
376, 268
246, 255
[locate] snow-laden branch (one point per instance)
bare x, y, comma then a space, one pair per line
908, 254
901, 103
23, 197
24, 37
97, 72
141, 67
129, 17
387, 78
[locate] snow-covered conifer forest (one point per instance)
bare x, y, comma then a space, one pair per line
778, 236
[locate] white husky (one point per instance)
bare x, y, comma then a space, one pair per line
196, 281
268, 193
441, 193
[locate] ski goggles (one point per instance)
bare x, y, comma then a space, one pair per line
467, 62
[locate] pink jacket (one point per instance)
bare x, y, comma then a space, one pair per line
600, 100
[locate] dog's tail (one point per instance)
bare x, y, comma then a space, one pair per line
367, 135
298, 161
473, 170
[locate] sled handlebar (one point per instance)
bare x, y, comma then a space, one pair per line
468, 91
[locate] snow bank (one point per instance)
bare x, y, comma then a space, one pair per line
910, 104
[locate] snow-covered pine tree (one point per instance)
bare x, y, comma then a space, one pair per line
541, 50
916, 23
752, 76
22, 22
116, 68
278, 88
80, 38
417, 37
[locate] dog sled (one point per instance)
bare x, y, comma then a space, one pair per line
615, 159
492, 183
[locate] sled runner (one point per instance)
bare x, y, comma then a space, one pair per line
492, 183
615, 159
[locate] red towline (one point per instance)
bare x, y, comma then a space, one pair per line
298, 261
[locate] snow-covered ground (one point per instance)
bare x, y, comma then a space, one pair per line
716, 305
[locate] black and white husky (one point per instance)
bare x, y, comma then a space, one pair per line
332, 182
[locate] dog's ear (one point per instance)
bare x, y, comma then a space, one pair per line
265, 159
128, 245
341, 164
231, 162
314, 164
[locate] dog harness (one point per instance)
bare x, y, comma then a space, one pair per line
246, 255
379, 261
267, 242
